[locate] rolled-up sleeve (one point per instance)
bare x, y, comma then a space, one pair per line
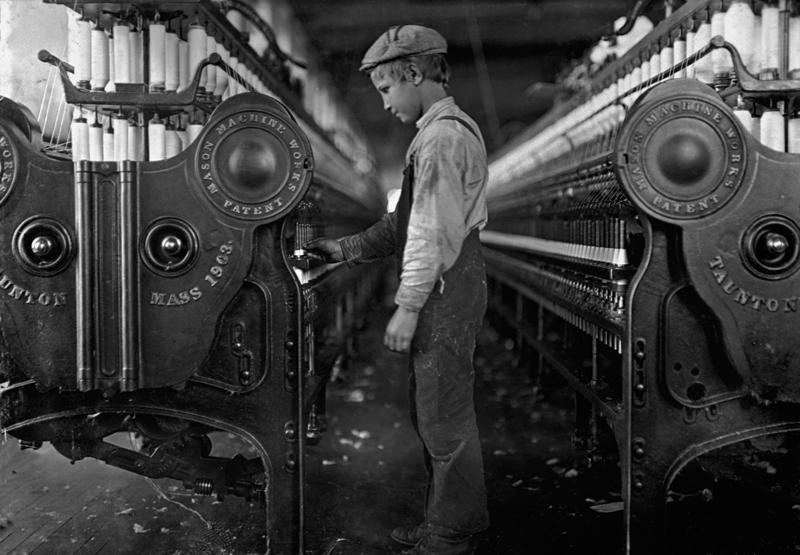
375, 242
436, 228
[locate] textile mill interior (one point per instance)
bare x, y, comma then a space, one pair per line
361, 277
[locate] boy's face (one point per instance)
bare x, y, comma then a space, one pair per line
400, 97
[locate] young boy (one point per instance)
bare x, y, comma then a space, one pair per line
441, 298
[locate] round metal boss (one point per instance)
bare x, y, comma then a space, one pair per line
254, 162
43, 246
771, 247
170, 247
682, 157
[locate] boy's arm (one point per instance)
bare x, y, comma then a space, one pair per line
375, 242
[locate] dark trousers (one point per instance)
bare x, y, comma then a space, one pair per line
441, 391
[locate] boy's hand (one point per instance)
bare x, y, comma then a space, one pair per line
400, 330
330, 249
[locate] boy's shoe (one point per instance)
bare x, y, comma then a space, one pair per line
408, 535
431, 544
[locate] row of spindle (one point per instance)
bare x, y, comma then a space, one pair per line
104, 59
758, 39
103, 138
163, 58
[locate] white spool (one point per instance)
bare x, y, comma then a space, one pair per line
100, 60
721, 63
793, 142
197, 52
678, 56
744, 116
171, 62
111, 86
770, 38
80, 48
222, 75
211, 71
740, 25
157, 56
173, 144
794, 44
236, 19
757, 53
157, 140
108, 143
184, 137
655, 62
135, 142
122, 54
96, 141
645, 68
690, 50
755, 127
120, 138
136, 47
636, 77
193, 131
183, 64
773, 134
233, 84
80, 137
667, 58
702, 68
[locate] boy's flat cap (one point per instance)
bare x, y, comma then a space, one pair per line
401, 41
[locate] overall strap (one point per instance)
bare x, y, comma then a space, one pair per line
463, 122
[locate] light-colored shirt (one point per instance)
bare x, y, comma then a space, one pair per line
449, 201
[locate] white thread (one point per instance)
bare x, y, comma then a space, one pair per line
108, 143
720, 58
122, 53
193, 131
171, 62
679, 57
794, 43
197, 52
120, 138
702, 68
157, 56
222, 76
740, 30
111, 85
172, 141
96, 141
794, 136
136, 46
157, 141
770, 38
135, 142
183, 64
211, 70
80, 137
100, 69
772, 130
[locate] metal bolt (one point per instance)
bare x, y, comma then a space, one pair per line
171, 244
42, 245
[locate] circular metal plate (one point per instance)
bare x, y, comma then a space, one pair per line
254, 163
682, 156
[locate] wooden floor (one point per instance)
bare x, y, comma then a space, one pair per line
48, 507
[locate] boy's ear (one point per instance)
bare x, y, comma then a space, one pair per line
413, 74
